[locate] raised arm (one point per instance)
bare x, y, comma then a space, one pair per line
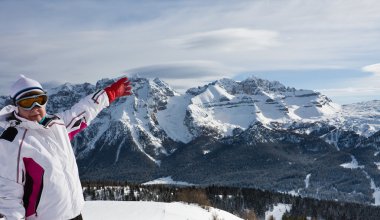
81, 114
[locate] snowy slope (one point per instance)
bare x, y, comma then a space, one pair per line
100, 210
172, 119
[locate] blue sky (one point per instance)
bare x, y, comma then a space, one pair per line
332, 46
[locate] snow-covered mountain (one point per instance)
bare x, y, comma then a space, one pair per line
252, 133
156, 118
225, 105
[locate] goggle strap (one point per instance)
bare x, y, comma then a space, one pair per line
24, 90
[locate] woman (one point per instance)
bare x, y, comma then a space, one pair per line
38, 171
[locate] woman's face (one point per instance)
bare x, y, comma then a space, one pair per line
35, 114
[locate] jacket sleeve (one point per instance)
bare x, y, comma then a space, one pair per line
11, 191
81, 114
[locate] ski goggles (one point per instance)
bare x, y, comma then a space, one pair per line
30, 102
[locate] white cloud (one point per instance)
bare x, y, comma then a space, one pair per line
352, 94
181, 70
349, 91
374, 68
103, 38
357, 89
228, 40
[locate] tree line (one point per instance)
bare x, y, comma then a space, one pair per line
247, 203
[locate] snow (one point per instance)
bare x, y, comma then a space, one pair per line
376, 190
234, 113
172, 119
270, 111
100, 210
333, 138
278, 211
377, 164
308, 105
213, 94
118, 151
206, 152
363, 117
352, 165
167, 181
291, 192
307, 180
135, 120
376, 193
216, 108
102, 126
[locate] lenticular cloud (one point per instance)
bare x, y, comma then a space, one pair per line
229, 39
374, 68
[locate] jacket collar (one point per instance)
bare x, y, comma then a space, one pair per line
9, 117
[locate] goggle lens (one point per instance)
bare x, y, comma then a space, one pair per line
28, 102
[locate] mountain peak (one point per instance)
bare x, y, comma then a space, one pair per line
163, 85
249, 86
253, 84
235, 87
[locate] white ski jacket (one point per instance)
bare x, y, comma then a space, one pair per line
38, 172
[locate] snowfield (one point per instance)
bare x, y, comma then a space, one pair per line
168, 181
100, 210
121, 210
278, 211
352, 165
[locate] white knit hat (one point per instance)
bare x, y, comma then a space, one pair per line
24, 85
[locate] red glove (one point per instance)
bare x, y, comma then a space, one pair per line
118, 89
